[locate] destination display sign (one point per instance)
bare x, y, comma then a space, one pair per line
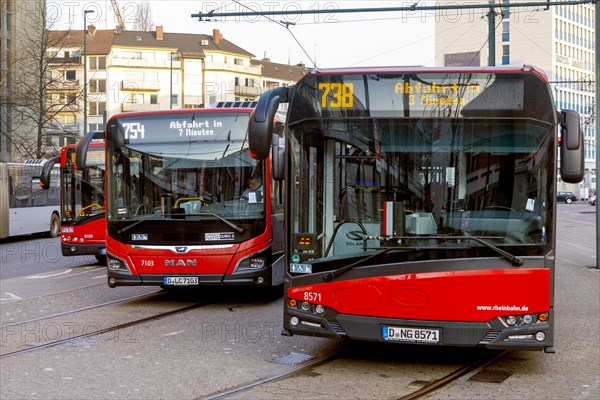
414, 94
197, 126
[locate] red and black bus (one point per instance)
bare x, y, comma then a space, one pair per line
187, 204
422, 203
83, 222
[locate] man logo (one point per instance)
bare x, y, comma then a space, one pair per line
180, 263
181, 249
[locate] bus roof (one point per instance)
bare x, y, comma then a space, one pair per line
416, 69
183, 111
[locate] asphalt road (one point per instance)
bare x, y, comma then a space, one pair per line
233, 338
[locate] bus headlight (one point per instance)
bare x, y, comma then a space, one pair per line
251, 264
527, 318
116, 264
511, 320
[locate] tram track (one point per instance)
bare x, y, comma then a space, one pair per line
96, 333
11, 325
428, 389
454, 376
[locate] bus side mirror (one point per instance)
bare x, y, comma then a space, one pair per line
82, 147
46, 172
571, 148
262, 119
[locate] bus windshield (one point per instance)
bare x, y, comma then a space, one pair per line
172, 173
418, 175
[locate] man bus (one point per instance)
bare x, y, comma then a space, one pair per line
422, 203
176, 214
83, 222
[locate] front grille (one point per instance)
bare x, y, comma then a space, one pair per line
337, 328
489, 337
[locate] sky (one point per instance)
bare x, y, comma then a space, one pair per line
326, 40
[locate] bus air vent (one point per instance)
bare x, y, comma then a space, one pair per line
337, 328
489, 337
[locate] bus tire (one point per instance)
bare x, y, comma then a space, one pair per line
54, 226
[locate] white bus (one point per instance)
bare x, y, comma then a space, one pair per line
25, 208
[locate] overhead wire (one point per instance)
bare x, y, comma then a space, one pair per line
283, 24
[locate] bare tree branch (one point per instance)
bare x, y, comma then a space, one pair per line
144, 20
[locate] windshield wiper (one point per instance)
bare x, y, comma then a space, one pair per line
136, 223
514, 259
239, 229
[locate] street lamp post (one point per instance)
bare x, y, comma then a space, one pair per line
85, 13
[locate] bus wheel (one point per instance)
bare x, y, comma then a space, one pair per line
54, 226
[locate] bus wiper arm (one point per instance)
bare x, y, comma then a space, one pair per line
239, 229
514, 259
332, 275
136, 223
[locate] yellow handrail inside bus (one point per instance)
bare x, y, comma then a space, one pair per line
82, 211
187, 199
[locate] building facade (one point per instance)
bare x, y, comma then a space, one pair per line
22, 24
144, 71
557, 39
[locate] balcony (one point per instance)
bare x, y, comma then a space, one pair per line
137, 86
65, 60
141, 63
64, 85
247, 91
245, 69
127, 107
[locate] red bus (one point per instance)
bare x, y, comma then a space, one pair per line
187, 204
83, 222
423, 205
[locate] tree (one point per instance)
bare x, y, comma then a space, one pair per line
33, 78
143, 21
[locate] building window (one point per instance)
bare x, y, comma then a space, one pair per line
505, 31
95, 127
192, 106
505, 9
96, 107
174, 100
97, 63
505, 55
98, 86
153, 99
70, 75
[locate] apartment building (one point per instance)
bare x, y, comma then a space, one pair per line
21, 25
557, 39
144, 71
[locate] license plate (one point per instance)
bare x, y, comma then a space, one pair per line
411, 335
102, 252
180, 280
